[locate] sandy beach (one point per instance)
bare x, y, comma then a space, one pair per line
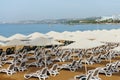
87, 39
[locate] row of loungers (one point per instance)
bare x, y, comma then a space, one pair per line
20, 60
44, 73
108, 70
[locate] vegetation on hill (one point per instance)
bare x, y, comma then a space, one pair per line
94, 20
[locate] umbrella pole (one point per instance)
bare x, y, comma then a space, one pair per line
15, 55
73, 55
85, 67
15, 47
85, 64
45, 58
45, 61
110, 57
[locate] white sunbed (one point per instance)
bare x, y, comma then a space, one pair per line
40, 74
10, 70
91, 75
54, 70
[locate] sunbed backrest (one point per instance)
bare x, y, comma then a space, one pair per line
91, 58
54, 67
11, 67
89, 75
109, 67
22, 64
117, 63
73, 63
3, 54
96, 72
44, 71
40, 60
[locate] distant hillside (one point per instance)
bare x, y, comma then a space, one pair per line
90, 20
85, 20
94, 20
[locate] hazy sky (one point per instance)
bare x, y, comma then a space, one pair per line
12, 10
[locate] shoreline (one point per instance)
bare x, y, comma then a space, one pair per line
58, 23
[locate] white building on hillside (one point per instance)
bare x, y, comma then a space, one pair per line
114, 17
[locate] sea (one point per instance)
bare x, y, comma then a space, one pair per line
26, 29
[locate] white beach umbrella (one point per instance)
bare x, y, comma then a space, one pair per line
17, 42
65, 37
83, 44
40, 41
66, 33
116, 49
52, 33
54, 42
2, 44
110, 38
107, 35
61, 36
2, 38
16, 36
115, 32
36, 35
14, 42
68, 37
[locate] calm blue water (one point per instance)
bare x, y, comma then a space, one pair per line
10, 29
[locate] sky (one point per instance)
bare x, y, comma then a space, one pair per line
12, 10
